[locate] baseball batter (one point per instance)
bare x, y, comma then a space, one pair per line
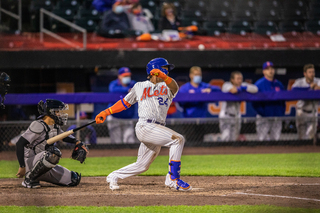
229, 116
307, 110
38, 161
154, 97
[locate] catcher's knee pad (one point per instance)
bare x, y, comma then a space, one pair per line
53, 155
44, 164
75, 178
175, 167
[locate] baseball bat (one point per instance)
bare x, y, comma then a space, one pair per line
67, 133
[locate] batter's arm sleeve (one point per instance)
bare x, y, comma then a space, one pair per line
22, 142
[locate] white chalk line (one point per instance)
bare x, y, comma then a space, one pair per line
280, 196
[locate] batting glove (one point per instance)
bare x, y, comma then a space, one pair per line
158, 73
101, 117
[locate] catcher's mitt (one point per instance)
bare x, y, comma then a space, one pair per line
80, 152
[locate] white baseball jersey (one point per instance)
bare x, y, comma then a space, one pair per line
306, 105
153, 100
232, 108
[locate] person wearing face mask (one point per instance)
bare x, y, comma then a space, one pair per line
307, 110
196, 109
169, 19
139, 21
267, 127
120, 130
115, 22
229, 116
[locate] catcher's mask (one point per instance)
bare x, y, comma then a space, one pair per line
54, 109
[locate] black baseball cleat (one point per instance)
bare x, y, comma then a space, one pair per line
31, 184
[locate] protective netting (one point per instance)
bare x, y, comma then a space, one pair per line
198, 132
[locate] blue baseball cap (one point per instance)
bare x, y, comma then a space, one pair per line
124, 71
267, 64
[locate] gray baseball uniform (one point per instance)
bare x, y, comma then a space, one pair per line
36, 135
229, 116
306, 111
153, 104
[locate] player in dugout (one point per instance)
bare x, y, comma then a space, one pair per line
267, 127
307, 110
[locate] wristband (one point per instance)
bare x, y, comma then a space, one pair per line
168, 80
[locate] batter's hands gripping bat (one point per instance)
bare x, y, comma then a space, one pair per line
66, 134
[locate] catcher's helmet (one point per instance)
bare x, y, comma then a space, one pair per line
53, 109
159, 63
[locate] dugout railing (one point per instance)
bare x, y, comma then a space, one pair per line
197, 132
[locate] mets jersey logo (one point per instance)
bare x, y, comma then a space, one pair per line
146, 92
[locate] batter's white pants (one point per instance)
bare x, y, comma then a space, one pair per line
306, 124
229, 128
268, 128
121, 130
152, 137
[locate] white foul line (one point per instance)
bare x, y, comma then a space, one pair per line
299, 198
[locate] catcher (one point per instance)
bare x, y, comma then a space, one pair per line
38, 160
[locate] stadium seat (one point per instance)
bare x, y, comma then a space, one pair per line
225, 5
268, 15
244, 15
294, 14
34, 8
67, 14
68, 4
35, 5
269, 5
313, 26
245, 5
215, 28
87, 4
192, 14
219, 15
87, 23
265, 28
187, 22
149, 4
314, 13
92, 14
196, 5
295, 4
291, 26
240, 27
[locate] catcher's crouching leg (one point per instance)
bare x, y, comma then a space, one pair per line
48, 161
75, 179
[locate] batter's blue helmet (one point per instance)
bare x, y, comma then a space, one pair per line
158, 63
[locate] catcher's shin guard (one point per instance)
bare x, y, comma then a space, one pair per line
75, 179
48, 161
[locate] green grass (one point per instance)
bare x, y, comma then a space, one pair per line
155, 209
297, 164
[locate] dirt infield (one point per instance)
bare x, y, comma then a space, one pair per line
150, 190
145, 191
